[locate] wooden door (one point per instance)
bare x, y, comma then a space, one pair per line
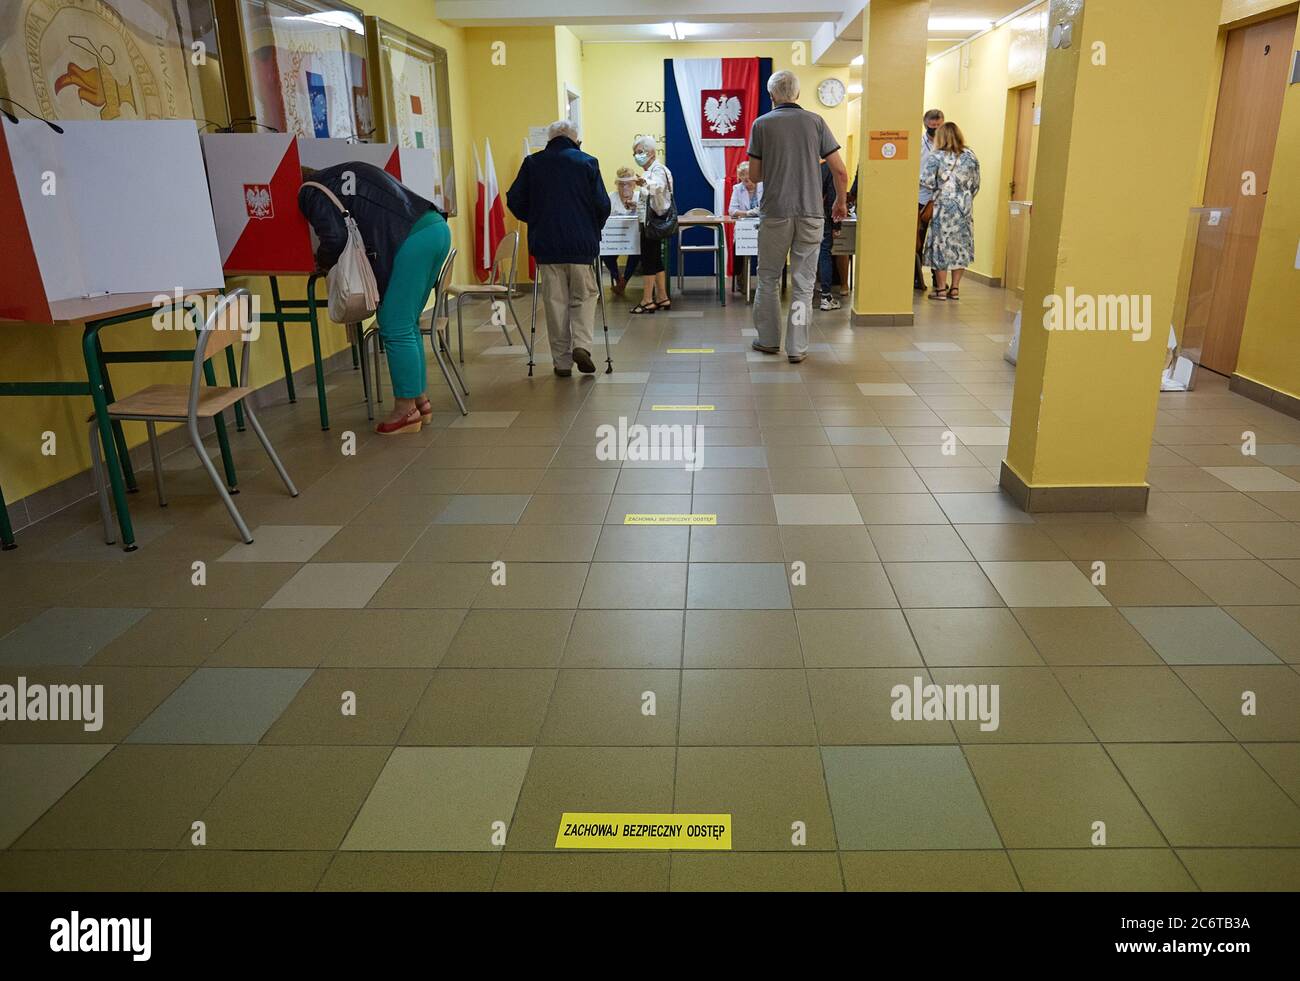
1255, 68
1013, 275
1020, 190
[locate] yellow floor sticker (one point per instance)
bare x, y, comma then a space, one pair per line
681, 408
690, 350
644, 831
670, 519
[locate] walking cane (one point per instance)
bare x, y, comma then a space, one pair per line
532, 330
600, 296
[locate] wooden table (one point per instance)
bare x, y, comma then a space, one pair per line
93, 314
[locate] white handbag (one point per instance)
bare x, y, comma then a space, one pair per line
353, 291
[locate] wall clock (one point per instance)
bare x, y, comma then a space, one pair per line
831, 92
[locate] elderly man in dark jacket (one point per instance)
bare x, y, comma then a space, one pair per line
559, 194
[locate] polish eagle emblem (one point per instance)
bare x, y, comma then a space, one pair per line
722, 113
257, 199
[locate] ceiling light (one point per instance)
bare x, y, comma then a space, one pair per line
678, 31
960, 24
858, 60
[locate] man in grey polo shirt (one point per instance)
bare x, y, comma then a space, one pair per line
786, 147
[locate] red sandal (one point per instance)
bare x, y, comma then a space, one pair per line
409, 423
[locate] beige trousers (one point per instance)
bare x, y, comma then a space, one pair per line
569, 301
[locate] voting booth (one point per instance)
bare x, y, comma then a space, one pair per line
102, 208
414, 167
253, 182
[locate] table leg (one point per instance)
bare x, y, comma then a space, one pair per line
90, 352
284, 341
234, 383
315, 349
118, 435
223, 440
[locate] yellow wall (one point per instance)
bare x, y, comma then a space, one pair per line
1235, 11
511, 98
40, 352
980, 99
568, 72
634, 72
1270, 344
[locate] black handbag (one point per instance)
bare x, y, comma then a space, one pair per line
661, 226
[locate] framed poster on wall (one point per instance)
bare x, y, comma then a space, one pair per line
304, 68
112, 59
414, 103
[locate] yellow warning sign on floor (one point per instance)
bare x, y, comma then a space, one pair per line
710, 832
682, 408
690, 350
670, 519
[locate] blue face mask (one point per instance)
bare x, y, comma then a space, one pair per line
641, 158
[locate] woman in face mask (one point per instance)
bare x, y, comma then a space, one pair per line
622, 203
656, 193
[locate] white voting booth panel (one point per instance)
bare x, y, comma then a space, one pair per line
253, 180
413, 167
103, 208
621, 236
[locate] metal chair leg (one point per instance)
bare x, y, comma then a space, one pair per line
442, 366
518, 326
270, 450
157, 462
460, 332
197, 442
365, 373
378, 389
101, 484
452, 362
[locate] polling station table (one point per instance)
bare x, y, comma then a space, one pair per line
93, 315
105, 223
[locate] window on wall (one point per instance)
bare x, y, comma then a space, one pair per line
112, 59
307, 67
416, 102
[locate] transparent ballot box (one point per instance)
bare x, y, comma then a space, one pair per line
1199, 278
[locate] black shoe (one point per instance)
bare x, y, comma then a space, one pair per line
764, 349
563, 372
919, 286
582, 358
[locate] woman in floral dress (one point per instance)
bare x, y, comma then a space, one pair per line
952, 174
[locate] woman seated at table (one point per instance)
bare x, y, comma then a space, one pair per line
745, 199
407, 239
622, 204
745, 194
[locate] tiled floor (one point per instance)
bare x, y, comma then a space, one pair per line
453, 636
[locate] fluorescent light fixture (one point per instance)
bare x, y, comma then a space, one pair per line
338, 18
967, 25
855, 89
858, 60
677, 31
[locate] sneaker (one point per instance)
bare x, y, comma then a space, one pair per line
765, 349
582, 358
830, 303
563, 372
797, 358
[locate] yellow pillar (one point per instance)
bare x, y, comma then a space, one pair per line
1123, 108
894, 36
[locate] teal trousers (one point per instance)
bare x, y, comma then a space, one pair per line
415, 273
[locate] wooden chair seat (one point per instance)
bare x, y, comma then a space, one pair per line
173, 401
478, 288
